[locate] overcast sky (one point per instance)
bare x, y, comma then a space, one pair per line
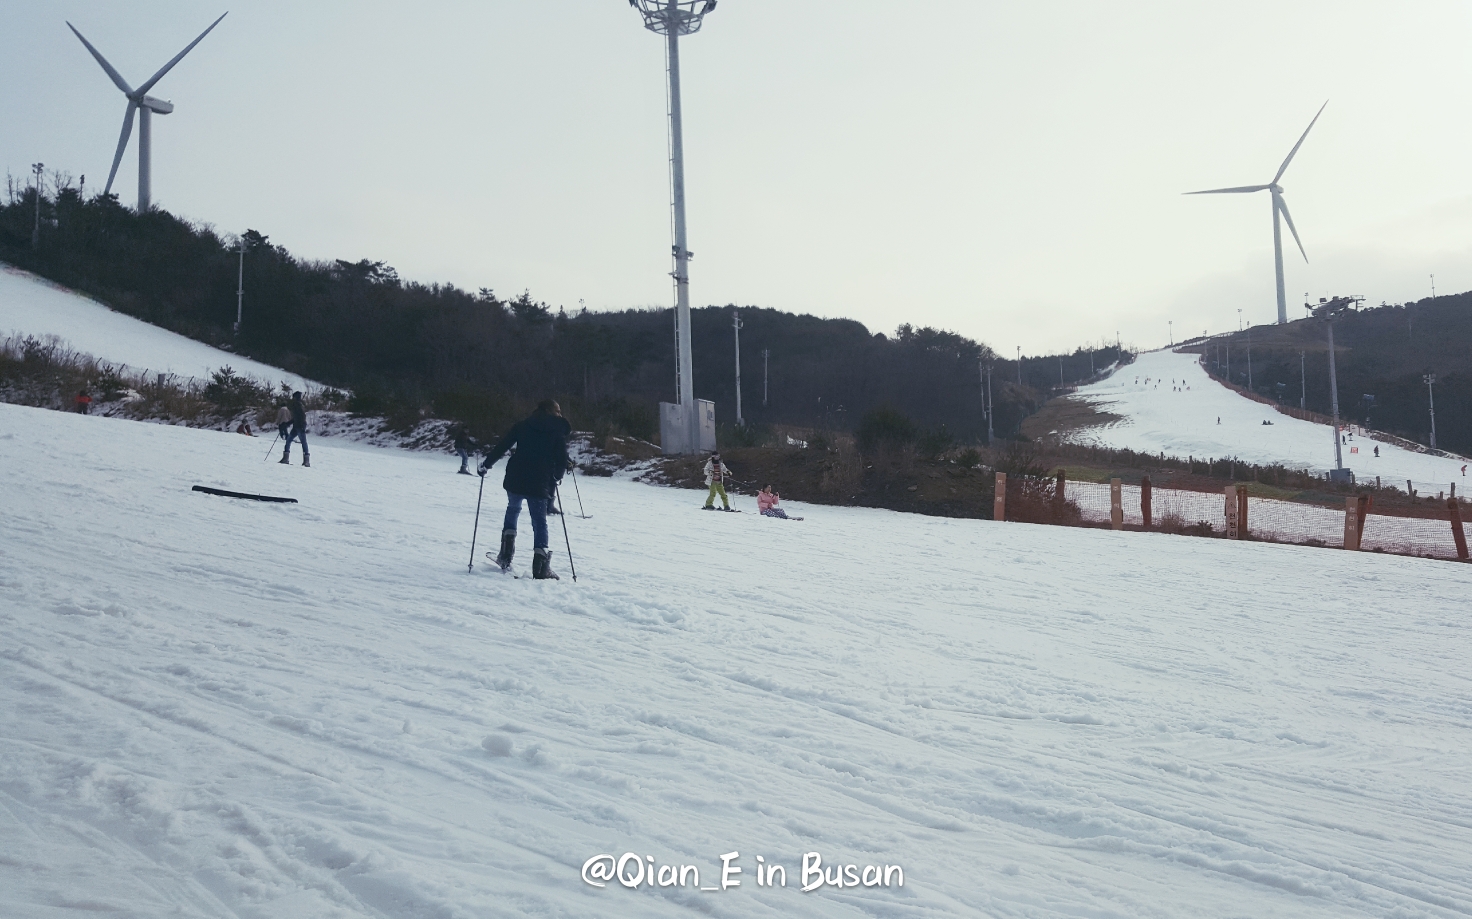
1009, 171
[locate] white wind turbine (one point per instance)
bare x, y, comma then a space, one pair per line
1279, 207
140, 101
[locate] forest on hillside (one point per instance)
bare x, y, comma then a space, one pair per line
406, 349
1382, 355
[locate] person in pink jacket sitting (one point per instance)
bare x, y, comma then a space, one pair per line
766, 502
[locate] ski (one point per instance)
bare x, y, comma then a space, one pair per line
238, 494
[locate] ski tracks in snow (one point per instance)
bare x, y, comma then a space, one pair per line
224, 708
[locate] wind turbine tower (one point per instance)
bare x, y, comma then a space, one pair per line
673, 18
1279, 207
141, 102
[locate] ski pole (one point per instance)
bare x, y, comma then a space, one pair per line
476, 530
271, 449
565, 539
579, 492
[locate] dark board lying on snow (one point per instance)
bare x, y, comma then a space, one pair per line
235, 494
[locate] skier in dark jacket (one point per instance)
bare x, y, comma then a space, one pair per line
298, 430
532, 475
464, 446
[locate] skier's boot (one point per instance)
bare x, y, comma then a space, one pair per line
285, 460
542, 566
508, 549
306, 461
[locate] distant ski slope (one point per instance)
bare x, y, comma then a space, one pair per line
30, 305
221, 708
1176, 412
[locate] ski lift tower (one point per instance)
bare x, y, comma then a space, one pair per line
688, 426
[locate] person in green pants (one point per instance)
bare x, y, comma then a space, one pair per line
716, 474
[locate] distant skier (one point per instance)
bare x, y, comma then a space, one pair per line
532, 475
283, 420
298, 431
766, 502
1377, 456
244, 428
464, 446
1218, 419
716, 474
84, 402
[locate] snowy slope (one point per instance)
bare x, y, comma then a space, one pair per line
212, 707
1177, 410
30, 305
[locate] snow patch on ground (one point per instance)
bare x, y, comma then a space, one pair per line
212, 707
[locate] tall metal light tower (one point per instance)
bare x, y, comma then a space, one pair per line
736, 330
36, 233
1430, 380
673, 18
989, 411
240, 288
1327, 310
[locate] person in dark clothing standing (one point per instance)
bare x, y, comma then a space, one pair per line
464, 446
532, 475
298, 430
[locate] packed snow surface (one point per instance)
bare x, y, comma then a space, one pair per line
224, 708
1169, 404
30, 305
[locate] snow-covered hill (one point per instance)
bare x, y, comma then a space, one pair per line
30, 305
1169, 404
212, 707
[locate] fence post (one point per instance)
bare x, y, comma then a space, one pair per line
1145, 500
1458, 536
1116, 505
1352, 524
1242, 526
999, 503
1058, 498
1230, 493
1366, 504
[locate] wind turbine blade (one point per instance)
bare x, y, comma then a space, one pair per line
179, 57
117, 78
1283, 208
1284, 168
122, 144
1241, 189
